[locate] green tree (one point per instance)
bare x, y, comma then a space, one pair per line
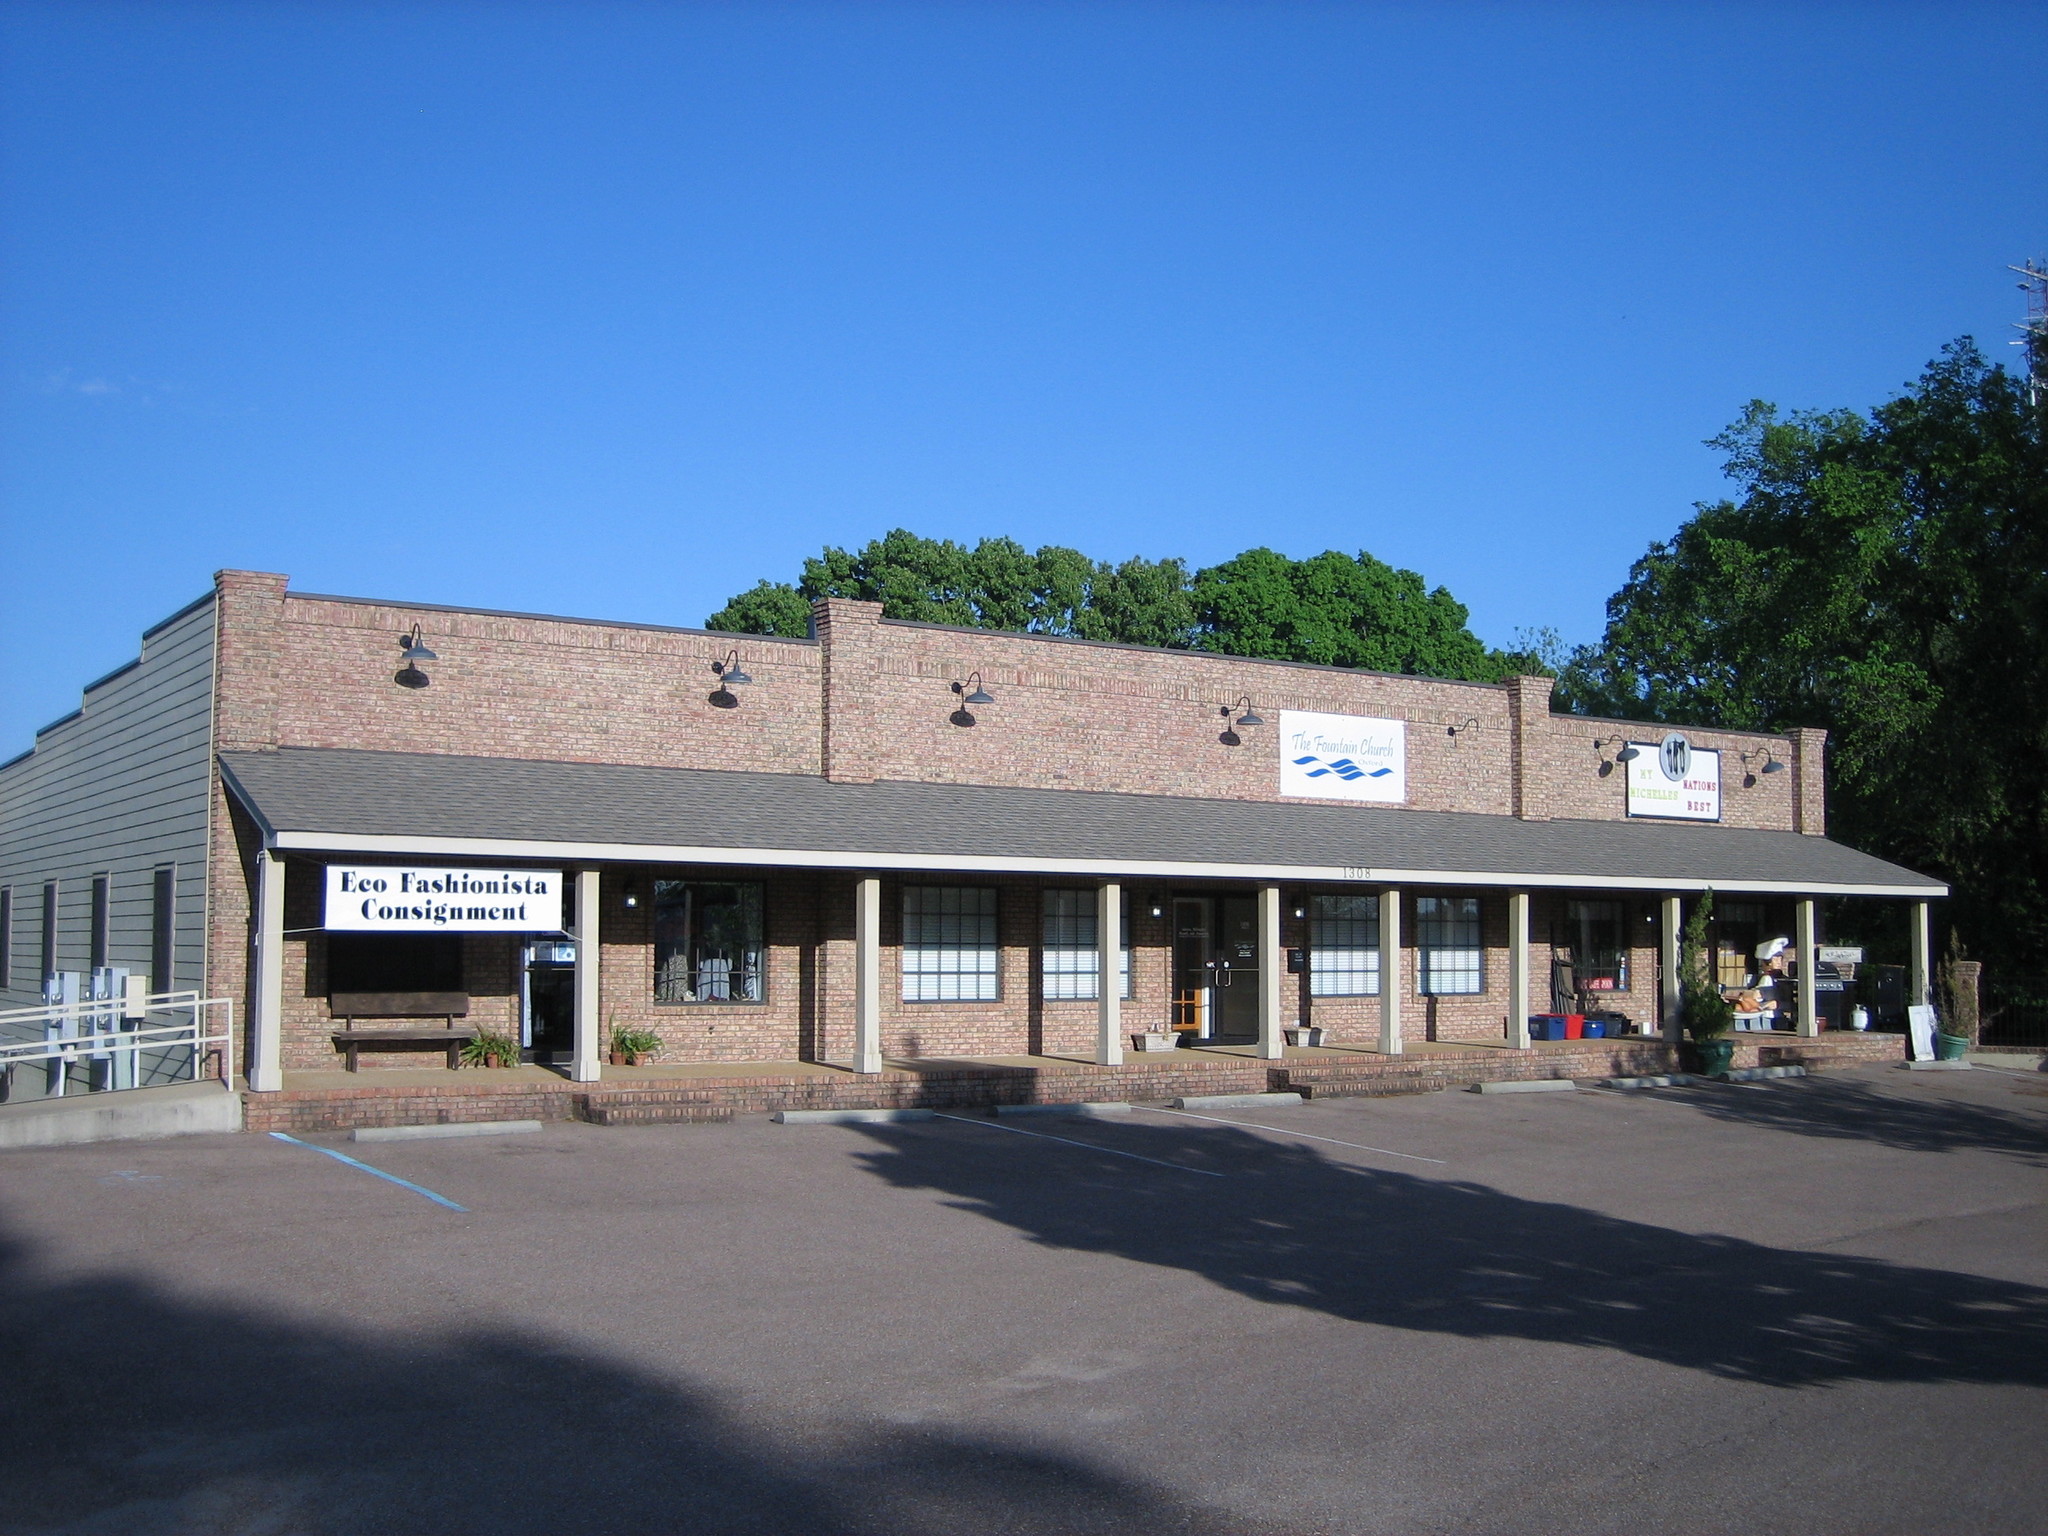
1341, 610
1886, 578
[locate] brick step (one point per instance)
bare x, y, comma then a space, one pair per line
660, 1112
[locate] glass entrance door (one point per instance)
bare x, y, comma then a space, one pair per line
1237, 970
548, 988
1194, 977
1216, 968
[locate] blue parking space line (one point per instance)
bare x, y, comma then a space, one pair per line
343, 1157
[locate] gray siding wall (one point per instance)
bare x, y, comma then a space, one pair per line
119, 789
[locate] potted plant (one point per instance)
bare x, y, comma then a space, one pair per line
633, 1047
1708, 1015
1956, 1009
489, 1050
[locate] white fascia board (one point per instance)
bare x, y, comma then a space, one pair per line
967, 863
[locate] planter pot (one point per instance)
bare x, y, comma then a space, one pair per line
1308, 1035
616, 1058
641, 1060
1157, 1041
1949, 1047
1715, 1056
494, 1061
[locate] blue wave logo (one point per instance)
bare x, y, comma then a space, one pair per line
1342, 767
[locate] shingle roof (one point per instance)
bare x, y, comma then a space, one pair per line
415, 803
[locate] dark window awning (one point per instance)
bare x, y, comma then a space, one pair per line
422, 805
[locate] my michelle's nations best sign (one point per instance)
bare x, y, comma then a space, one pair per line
398, 898
1343, 757
1674, 779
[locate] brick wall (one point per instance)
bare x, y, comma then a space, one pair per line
871, 699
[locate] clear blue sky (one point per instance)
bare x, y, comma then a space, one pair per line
612, 310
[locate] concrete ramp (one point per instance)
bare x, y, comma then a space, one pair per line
132, 1114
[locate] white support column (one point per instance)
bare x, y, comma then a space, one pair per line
1809, 957
1518, 970
587, 1047
1920, 979
266, 1023
1272, 972
1390, 972
1668, 1004
867, 975
1109, 979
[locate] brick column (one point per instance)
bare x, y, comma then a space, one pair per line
1528, 720
1809, 782
849, 657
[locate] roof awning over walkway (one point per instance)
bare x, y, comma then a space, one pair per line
429, 806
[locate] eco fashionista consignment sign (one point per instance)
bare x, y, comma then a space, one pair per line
388, 898
1343, 757
1672, 778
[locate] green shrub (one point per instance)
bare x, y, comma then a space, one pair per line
1708, 1015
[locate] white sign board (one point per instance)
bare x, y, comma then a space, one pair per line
1842, 954
405, 898
1920, 1031
1673, 779
1343, 757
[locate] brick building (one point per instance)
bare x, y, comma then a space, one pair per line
890, 840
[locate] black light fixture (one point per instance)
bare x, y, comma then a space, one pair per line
1770, 765
1627, 754
971, 692
1454, 731
731, 675
1228, 736
412, 650
629, 895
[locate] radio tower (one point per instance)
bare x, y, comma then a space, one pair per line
2034, 329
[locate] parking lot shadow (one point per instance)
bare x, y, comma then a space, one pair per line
1846, 1110
1296, 1228
126, 1410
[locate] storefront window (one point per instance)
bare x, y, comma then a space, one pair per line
707, 942
1599, 948
1450, 961
949, 944
394, 962
1344, 946
1738, 930
1068, 971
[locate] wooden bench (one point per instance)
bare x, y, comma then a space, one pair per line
445, 1006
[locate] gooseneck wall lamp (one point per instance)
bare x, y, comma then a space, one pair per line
1627, 754
971, 691
412, 650
731, 675
1770, 764
1250, 716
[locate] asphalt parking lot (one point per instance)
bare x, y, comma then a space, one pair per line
1814, 1305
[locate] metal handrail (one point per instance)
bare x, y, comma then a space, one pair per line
105, 1037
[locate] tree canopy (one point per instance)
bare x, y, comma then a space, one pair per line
1885, 577
1337, 609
